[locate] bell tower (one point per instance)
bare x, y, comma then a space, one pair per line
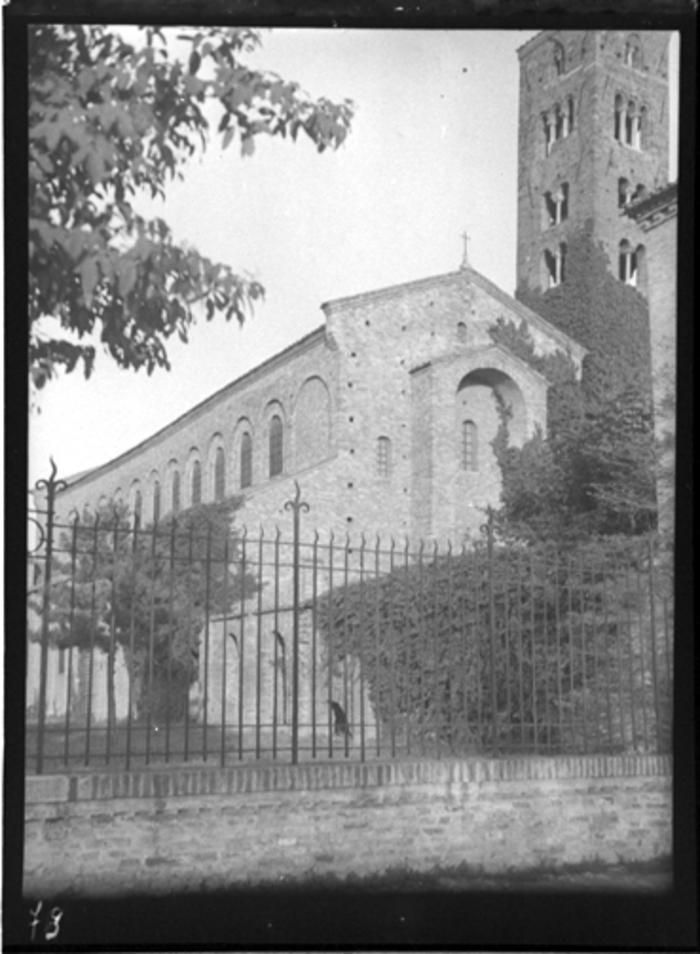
593, 137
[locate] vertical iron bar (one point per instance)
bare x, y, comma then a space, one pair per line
533, 648
110, 655
331, 640
464, 643
392, 654
584, 653
258, 660
449, 655
169, 636
69, 687
652, 633
380, 695
506, 645
241, 648
492, 634
407, 652
188, 565
295, 643
52, 487
478, 628
93, 612
362, 651
630, 651
151, 647
521, 675
545, 652
314, 648
569, 622
606, 644
421, 650
437, 700
557, 626
132, 624
276, 637
346, 638
596, 680
207, 599
642, 656
224, 648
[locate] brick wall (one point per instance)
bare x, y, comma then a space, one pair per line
195, 828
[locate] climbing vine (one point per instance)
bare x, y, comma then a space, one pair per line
594, 470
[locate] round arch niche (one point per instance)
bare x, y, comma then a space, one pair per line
479, 393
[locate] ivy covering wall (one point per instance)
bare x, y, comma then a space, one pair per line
594, 470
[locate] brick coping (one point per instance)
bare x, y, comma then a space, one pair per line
179, 781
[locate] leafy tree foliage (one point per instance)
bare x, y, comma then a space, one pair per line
109, 119
525, 649
594, 471
149, 591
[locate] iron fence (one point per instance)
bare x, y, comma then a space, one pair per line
186, 641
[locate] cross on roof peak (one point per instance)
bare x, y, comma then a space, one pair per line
465, 254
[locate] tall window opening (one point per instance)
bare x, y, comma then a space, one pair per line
196, 494
570, 112
470, 446
557, 205
219, 475
276, 446
623, 193
176, 492
633, 53
555, 264
61, 661
156, 501
384, 457
628, 265
620, 118
246, 460
559, 62
461, 332
138, 508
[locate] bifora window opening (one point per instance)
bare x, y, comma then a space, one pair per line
555, 264
276, 446
196, 495
630, 122
246, 460
557, 205
470, 446
558, 123
219, 475
633, 52
384, 457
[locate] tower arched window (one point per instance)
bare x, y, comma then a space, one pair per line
549, 129
470, 446
246, 460
219, 475
555, 265
196, 489
559, 60
620, 118
623, 193
384, 457
137, 506
461, 332
633, 52
557, 205
627, 264
631, 123
276, 446
570, 112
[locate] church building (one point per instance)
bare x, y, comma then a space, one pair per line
386, 413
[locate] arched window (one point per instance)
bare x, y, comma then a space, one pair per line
549, 129
470, 446
559, 61
175, 500
633, 52
631, 120
276, 446
196, 494
138, 508
246, 460
156, 501
570, 112
623, 193
219, 475
627, 269
384, 457
555, 265
461, 332
620, 118
557, 205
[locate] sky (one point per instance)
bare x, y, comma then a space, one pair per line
432, 153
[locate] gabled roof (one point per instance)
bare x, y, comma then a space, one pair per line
565, 342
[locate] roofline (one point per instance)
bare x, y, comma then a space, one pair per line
300, 345
566, 342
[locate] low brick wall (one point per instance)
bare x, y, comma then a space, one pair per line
197, 828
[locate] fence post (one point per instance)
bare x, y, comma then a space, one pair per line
52, 487
492, 631
296, 506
